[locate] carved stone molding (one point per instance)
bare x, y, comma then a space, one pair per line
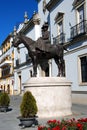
51, 4
59, 16
77, 2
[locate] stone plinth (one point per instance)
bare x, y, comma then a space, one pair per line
53, 95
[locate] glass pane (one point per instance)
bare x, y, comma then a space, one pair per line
81, 14
60, 27
84, 68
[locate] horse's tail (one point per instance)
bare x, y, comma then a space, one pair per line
65, 48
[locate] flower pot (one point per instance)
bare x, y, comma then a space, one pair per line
3, 108
28, 122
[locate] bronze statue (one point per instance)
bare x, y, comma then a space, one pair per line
45, 37
40, 53
45, 32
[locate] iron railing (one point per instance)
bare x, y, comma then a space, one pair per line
78, 29
60, 39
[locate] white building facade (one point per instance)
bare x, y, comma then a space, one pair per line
68, 25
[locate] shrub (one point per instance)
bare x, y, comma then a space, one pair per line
4, 99
28, 107
0, 94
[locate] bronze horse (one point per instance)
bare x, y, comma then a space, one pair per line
40, 52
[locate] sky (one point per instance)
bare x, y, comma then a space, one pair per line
12, 13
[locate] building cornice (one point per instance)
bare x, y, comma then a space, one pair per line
75, 40
51, 4
77, 2
75, 50
59, 16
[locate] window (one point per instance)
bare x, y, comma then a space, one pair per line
61, 35
59, 21
31, 74
80, 19
80, 15
80, 12
28, 58
44, 6
60, 27
6, 71
17, 62
82, 69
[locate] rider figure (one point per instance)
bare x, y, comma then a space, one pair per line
45, 33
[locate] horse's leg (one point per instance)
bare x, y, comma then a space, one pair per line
34, 66
34, 70
62, 66
58, 65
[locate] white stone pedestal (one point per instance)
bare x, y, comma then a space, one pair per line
53, 95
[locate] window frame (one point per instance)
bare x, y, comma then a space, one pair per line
77, 7
81, 83
59, 19
59, 25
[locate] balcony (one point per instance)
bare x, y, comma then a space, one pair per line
60, 39
79, 29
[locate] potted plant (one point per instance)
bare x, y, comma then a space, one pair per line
28, 109
4, 101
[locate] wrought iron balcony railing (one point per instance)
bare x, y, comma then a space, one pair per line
59, 39
78, 29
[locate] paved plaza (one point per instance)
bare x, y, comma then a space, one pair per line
9, 121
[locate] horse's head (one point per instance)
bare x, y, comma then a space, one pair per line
16, 40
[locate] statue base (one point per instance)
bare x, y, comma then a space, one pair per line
53, 95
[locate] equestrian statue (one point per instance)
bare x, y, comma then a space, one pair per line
40, 52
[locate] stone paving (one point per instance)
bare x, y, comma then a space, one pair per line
9, 121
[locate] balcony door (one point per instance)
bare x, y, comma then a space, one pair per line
80, 19
60, 32
60, 27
